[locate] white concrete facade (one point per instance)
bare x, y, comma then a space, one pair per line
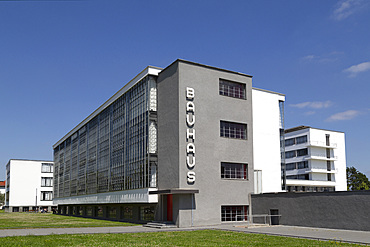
29, 185
315, 159
267, 126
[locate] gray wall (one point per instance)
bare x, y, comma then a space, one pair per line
211, 149
168, 130
338, 210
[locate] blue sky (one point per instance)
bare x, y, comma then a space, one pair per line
60, 60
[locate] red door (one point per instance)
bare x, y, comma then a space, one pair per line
169, 208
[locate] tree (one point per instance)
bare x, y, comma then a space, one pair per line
356, 180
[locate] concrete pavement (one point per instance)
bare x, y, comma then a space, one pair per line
360, 237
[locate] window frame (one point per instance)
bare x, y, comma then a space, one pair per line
46, 184
232, 89
230, 130
237, 171
43, 195
50, 168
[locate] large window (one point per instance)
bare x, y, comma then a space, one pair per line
296, 153
302, 152
234, 213
296, 140
46, 167
233, 130
299, 177
46, 196
234, 171
232, 89
47, 182
127, 212
297, 165
147, 213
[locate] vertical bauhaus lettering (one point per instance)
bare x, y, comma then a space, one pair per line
190, 134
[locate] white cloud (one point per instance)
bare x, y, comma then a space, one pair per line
346, 115
309, 113
323, 58
355, 69
308, 57
345, 8
314, 104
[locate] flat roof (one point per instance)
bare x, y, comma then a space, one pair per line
149, 70
302, 127
206, 66
267, 91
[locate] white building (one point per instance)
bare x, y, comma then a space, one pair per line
268, 130
2, 187
315, 159
29, 185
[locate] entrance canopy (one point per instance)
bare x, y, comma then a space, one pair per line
174, 191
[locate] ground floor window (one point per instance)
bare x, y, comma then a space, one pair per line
15, 209
234, 213
25, 209
127, 212
112, 212
100, 212
89, 211
80, 210
147, 213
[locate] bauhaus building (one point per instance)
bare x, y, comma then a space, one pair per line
186, 144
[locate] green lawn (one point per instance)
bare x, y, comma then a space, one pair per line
185, 238
38, 220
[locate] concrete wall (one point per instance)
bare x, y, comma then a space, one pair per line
211, 149
338, 210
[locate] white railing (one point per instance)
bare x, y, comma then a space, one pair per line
323, 156
322, 144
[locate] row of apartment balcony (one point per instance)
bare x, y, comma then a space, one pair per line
312, 170
315, 156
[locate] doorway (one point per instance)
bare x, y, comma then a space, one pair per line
169, 207
274, 219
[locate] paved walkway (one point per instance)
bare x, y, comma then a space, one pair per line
360, 237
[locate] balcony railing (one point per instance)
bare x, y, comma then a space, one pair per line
321, 157
322, 144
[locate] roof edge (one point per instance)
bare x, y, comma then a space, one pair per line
301, 127
149, 70
206, 66
267, 91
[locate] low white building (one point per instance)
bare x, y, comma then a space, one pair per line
268, 131
2, 187
29, 185
315, 159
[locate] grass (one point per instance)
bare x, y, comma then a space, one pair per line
185, 238
38, 220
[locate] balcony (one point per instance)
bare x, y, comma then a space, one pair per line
300, 171
321, 144
318, 156
321, 170
297, 182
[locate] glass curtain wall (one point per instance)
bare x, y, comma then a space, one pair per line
112, 152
